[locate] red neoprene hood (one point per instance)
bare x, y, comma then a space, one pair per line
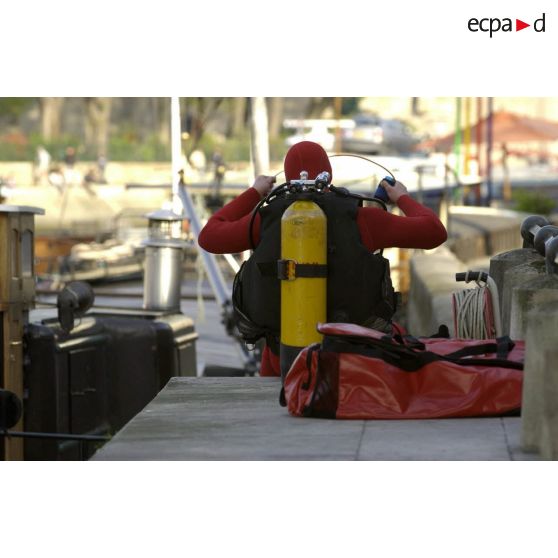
306, 156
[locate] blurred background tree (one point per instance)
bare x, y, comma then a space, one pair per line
97, 124
50, 111
138, 129
11, 108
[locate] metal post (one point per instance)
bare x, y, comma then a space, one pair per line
457, 136
478, 141
176, 151
489, 141
260, 135
420, 185
338, 104
17, 297
216, 279
467, 137
214, 274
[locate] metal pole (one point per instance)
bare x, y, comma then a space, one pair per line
489, 141
260, 135
467, 136
216, 279
182, 196
176, 150
478, 135
217, 282
478, 141
457, 136
420, 189
338, 103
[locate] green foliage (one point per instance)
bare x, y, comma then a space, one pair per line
56, 147
533, 202
207, 144
11, 108
127, 147
18, 147
12, 150
277, 148
236, 148
122, 147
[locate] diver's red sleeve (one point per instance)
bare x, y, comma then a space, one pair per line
226, 232
420, 228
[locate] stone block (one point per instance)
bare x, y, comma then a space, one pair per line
540, 402
500, 264
548, 444
515, 277
533, 292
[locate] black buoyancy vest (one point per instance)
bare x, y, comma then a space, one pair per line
358, 282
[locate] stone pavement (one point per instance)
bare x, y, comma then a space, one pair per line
240, 419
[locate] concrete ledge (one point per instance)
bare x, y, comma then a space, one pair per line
432, 284
483, 231
240, 419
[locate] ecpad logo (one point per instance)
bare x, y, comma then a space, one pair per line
494, 24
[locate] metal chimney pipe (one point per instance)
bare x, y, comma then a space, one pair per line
164, 252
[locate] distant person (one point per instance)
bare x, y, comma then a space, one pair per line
70, 157
69, 162
6, 184
89, 179
57, 178
42, 162
219, 169
358, 282
197, 160
101, 169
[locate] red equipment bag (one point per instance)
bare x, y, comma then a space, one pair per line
360, 373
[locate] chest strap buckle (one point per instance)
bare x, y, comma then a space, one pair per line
289, 270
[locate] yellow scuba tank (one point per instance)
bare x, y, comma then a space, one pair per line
303, 271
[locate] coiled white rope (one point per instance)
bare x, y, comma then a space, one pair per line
476, 312
471, 313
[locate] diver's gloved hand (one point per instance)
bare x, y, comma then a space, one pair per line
394, 192
263, 184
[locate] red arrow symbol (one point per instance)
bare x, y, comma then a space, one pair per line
519, 25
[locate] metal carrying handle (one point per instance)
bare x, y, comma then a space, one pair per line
356, 157
468, 276
366, 159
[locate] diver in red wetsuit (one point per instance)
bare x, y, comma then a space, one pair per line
227, 231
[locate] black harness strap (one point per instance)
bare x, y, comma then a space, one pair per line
288, 270
411, 360
501, 348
